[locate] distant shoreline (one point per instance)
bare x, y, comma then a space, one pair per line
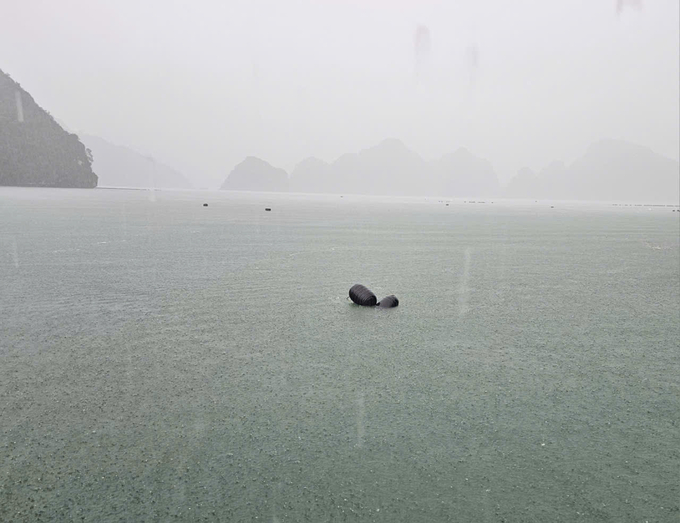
350, 196
127, 188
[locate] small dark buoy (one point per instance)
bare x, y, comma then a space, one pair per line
388, 302
362, 296
267, 208
205, 205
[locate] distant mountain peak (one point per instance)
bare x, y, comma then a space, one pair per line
609, 170
462, 152
391, 168
255, 174
462, 173
122, 166
254, 160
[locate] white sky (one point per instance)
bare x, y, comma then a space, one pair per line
201, 84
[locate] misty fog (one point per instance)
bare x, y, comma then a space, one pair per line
201, 85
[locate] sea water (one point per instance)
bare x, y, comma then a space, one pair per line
162, 360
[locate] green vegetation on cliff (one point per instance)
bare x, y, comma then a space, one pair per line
34, 150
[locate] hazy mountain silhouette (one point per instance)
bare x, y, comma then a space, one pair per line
388, 168
313, 176
253, 174
34, 149
119, 166
609, 170
391, 168
525, 184
463, 174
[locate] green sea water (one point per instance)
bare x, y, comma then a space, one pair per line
165, 361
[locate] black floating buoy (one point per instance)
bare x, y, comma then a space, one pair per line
205, 205
388, 302
267, 208
362, 296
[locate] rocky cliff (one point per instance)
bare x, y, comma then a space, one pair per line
35, 151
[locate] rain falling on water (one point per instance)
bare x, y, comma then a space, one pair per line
464, 291
361, 414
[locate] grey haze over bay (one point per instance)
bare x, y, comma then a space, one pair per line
201, 85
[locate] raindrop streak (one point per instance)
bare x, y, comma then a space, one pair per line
15, 253
276, 494
622, 4
422, 48
20, 106
472, 55
464, 291
502, 265
361, 414
152, 180
123, 216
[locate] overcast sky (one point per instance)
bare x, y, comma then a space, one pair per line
201, 84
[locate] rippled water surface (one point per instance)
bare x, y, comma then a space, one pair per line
161, 360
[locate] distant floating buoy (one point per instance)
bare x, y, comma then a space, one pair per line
388, 302
362, 296
267, 208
